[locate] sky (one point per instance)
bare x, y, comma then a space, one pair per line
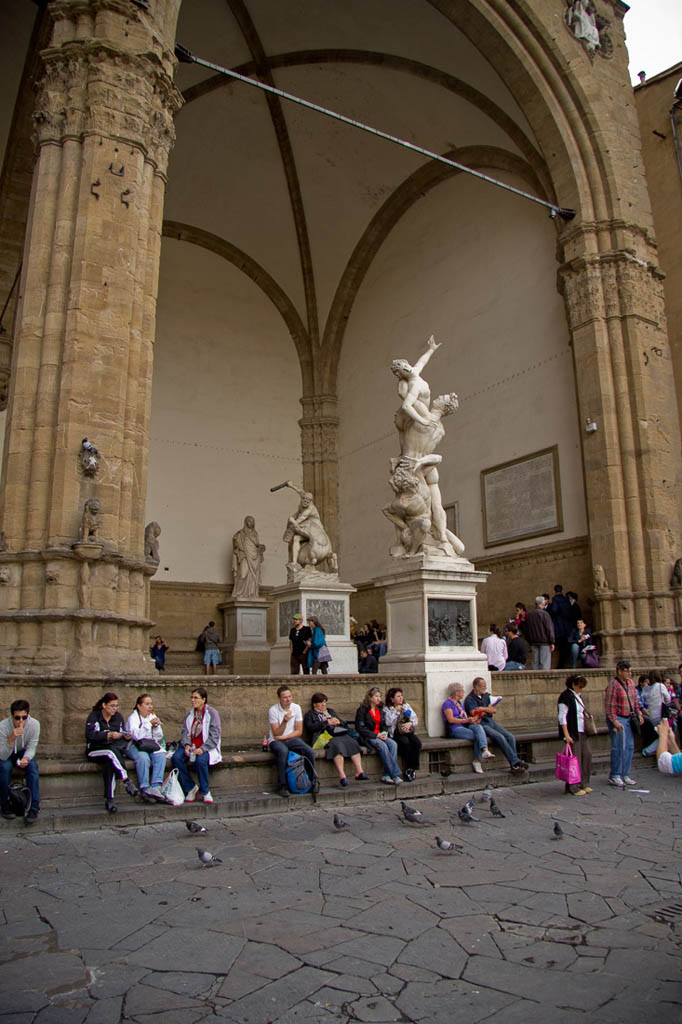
653, 30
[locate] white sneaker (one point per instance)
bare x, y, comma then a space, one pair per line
476, 765
207, 798
615, 780
192, 795
486, 754
628, 781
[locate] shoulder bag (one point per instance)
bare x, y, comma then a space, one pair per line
634, 720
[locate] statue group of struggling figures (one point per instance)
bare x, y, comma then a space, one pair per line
417, 510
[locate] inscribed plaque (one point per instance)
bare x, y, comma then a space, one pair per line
522, 498
330, 614
287, 610
449, 623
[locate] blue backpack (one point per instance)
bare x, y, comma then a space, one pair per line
298, 779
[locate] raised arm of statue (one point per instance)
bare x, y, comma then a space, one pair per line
431, 346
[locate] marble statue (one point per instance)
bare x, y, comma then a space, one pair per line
581, 18
247, 560
310, 548
152, 532
90, 521
599, 578
417, 510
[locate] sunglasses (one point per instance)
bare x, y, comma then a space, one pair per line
19, 718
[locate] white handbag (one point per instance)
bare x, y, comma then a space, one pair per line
172, 790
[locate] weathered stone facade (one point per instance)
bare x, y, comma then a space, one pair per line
553, 117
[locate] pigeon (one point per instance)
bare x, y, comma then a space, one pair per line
339, 823
445, 846
466, 816
469, 805
194, 826
558, 831
495, 810
411, 814
485, 796
207, 859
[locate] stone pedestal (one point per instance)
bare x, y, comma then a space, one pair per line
329, 601
431, 626
246, 650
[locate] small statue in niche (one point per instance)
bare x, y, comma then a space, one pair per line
90, 523
152, 532
2, 540
581, 18
676, 578
4, 576
89, 458
599, 577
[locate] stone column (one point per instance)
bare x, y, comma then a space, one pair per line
82, 360
631, 460
320, 453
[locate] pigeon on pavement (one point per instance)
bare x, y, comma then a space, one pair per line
558, 831
411, 814
446, 846
495, 810
207, 859
485, 796
339, 823
194, 826
466, 816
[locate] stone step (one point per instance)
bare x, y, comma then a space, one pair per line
134, 814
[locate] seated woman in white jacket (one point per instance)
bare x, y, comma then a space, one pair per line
199, 747
146, 730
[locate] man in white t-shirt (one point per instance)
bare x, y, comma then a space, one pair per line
286, 727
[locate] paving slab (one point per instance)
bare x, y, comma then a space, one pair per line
304, 925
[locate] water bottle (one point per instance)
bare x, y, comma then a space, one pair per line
407, 713
192, 756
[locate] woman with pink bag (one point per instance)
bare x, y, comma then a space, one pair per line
572, 729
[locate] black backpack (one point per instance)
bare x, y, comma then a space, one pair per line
19, 799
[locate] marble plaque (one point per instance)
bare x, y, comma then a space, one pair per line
522, 498
449, 623
287, 610
330, 614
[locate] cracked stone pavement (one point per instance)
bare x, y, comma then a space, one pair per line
301, 923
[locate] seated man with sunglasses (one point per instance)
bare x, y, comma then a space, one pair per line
19, 735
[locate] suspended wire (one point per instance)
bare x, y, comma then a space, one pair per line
186, 57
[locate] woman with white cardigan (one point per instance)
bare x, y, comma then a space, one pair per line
146, 748
199, 747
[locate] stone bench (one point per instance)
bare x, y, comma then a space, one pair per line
69, 780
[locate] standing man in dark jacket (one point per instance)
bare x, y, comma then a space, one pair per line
300, 638
211, 638
562, 617
517, 649
539, 632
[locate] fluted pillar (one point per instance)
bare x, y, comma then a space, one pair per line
82, 362
631, 451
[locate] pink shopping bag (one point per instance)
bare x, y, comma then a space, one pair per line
567, 766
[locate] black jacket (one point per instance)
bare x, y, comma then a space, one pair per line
97, 731
365, 725
313, 725
568, 698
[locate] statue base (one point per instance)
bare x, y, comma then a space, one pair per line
431, 626
329, 600
246, 650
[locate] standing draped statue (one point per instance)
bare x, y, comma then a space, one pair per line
247, 560
417, 510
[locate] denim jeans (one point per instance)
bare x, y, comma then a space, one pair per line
143, 762
513, 666
183, 764
31, 771
504, 740
388, 755
280, 751
622, 747
475, 733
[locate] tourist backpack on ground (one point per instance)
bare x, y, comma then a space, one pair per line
298, 779
19, 799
